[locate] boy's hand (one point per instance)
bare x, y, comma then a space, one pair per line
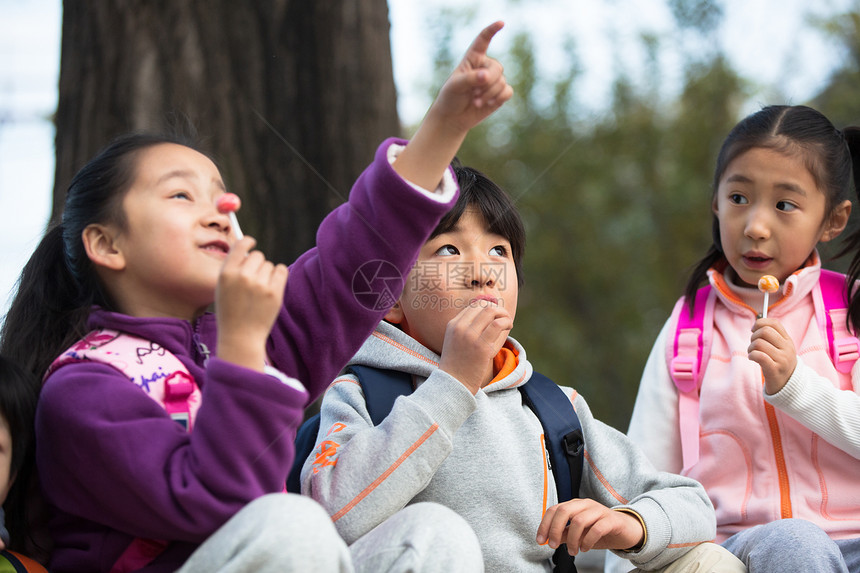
474, 90
773, 350
585, 524
472, 340
248, 297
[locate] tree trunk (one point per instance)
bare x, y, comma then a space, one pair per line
290, 97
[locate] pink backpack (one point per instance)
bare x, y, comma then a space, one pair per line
162, 377
688, 351
153, 368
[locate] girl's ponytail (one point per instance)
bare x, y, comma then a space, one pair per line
852, 243
49, 310
699, 274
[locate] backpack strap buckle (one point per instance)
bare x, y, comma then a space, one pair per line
684, 366
177, 389
846, 351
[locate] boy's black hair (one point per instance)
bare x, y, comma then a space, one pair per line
495, 206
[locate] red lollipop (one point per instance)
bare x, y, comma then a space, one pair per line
229, 203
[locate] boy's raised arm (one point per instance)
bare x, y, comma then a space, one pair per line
475, 89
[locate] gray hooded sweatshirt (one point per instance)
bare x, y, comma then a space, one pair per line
484, 457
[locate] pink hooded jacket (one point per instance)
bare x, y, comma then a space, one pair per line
762, 457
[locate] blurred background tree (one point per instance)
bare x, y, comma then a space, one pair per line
290, 97
617, 206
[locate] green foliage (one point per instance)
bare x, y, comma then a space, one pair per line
699, 15
616, 207
839, 100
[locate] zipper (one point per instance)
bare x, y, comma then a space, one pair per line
775, 435
200, 348
779, 455
546, 470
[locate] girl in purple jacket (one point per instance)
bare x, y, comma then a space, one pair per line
142, 250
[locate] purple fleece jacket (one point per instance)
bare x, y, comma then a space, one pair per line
114, 466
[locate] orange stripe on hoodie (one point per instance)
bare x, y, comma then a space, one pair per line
403, 457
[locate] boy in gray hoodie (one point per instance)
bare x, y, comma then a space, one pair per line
464, 437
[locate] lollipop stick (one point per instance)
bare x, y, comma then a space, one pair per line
234, 222
764, 306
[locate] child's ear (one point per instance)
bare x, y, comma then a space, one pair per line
395, 315
837, 221
101, 247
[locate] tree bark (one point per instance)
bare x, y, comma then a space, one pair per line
290, 97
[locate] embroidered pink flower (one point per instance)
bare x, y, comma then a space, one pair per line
93, 340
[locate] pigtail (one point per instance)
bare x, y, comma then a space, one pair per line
852, 242
699, 273
49, 310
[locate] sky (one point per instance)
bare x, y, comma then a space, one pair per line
767, 41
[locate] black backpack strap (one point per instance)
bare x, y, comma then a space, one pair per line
564, 442
306, 439
381, 388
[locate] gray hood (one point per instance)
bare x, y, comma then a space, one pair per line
390, 348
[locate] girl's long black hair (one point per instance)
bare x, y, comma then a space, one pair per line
58, 286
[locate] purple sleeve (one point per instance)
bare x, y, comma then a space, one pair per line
338, 291
108, 453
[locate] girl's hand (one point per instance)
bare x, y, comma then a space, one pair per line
249, 294
772, 349
474, 90
585, 524
476, 87
472, 340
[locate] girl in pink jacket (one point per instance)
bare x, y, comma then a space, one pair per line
773, 429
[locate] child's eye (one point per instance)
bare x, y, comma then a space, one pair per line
499, 251
447, 250
785, 206
181, 195
738, 199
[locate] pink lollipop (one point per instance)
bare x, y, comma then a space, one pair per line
767, 284
229, 203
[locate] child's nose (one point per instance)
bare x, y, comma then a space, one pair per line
214, 218
482, 279
757, 226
